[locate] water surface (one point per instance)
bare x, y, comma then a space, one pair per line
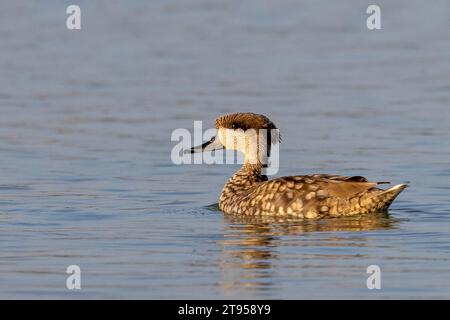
85, 124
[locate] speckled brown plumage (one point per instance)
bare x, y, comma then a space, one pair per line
311, 196
249, 192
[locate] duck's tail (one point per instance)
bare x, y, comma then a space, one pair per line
384, 199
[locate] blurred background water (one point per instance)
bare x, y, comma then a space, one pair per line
85, 124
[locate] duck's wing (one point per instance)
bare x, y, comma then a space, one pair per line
306, 195
331, 185
345, 178
343, 186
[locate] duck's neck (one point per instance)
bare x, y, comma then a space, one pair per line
251, 169
247, 175
240, 184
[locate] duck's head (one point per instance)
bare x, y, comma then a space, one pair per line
250, 133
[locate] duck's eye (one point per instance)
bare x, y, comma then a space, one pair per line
234, 126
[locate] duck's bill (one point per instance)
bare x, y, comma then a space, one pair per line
211, 145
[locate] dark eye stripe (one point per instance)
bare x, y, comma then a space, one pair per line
239, 126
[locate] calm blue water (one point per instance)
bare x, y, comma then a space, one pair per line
85, 124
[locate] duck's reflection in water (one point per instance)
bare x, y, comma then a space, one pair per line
254, 247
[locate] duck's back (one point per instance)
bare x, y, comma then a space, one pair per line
310, 196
